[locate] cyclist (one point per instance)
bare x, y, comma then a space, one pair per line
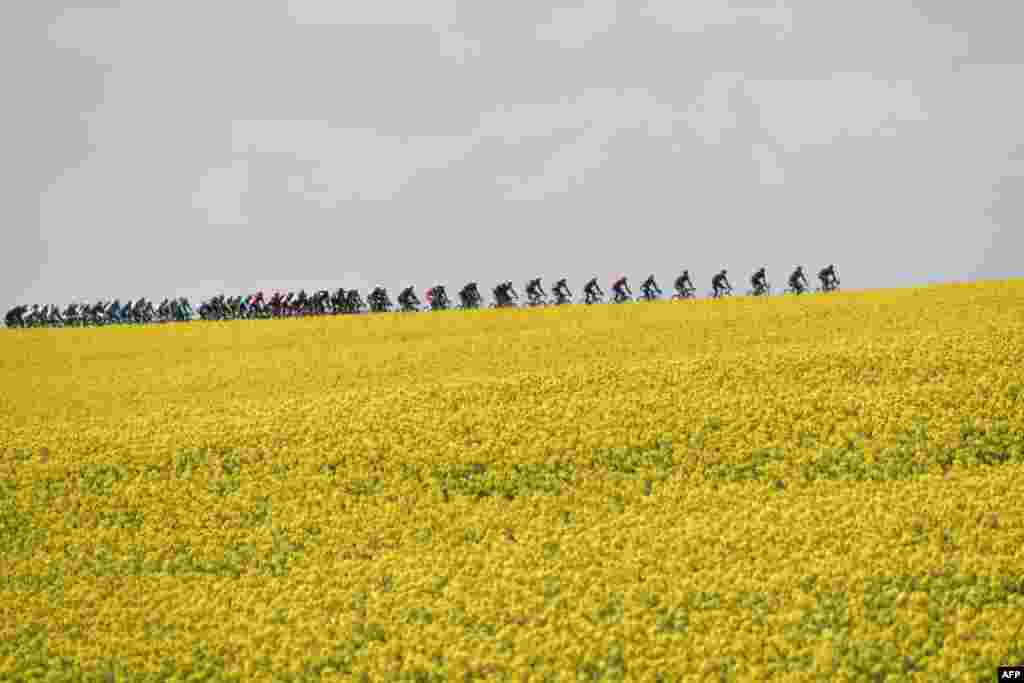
438, 298
828, 277
561, 292
339, 302
650, 288
408, 300
759, 281
470, 296
535, 292
798, 281
592, 291
373, 298
504, 294
354, 301
684, 286
502, 298
16, 316
323, 299
254, 304
621, 289
720, 285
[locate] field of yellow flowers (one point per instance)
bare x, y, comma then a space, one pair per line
819, 488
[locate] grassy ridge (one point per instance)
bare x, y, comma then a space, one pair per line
749, 488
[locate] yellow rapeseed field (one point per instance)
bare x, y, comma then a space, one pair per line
819, 488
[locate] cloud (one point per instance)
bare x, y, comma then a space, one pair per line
990, 35
817, 111
348, 163
564, 169
433, 13
835, 121
574, 27
711, 113
458, 46
220, 194
697, 16
597, 114
438, 15
362, 164
91, 32
600, 108
767, 159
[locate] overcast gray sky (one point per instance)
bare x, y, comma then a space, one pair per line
190, 147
